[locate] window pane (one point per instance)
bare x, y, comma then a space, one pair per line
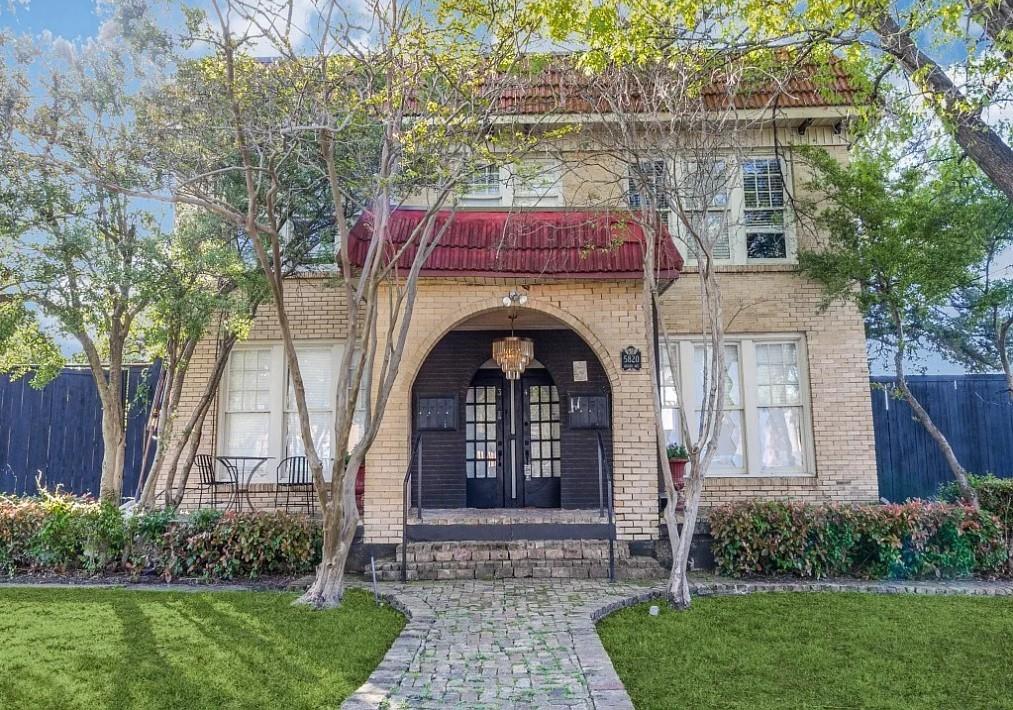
766, 245
733, 392
317, 368
762, 184
322, 428
652, 176
777, 381
246, 434
249, 381
781, 437
484, 181
534, 179
730, 454
670, 420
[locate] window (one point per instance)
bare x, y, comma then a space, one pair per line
765, 430
763, 209
259, 413
652, 176
536, 182
707, 188
739, 206
484, 187
248, 395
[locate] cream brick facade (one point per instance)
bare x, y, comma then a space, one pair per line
608, 316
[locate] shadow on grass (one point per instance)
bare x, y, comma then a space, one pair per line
122, 649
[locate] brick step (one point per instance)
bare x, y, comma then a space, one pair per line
561, 559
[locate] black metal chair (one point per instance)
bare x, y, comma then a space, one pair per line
208, 480
293, 475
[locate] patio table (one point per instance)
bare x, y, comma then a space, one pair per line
241, 469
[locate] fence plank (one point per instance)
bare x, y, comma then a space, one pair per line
57, 431
975, 412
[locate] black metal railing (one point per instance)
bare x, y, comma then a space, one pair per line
416, 454
606, 499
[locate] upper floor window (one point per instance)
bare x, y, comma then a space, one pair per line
528, 183
484, 186
737, 207
648, 180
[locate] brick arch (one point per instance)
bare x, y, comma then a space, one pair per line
487, 305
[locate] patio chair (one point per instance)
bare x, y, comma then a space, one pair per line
208, 480
293, 476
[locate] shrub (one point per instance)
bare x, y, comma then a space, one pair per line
994, 495
61, 533
913, 540
243, 545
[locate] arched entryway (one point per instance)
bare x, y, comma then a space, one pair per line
489, 442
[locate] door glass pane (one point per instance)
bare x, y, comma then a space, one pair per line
543, 431
480, 432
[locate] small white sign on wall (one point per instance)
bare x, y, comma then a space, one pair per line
580, 370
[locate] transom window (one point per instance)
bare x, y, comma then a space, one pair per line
543, 411
481, 440
766, 429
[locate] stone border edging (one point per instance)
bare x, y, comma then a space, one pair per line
373, 693
718, 589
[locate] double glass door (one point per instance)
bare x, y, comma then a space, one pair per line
512, 441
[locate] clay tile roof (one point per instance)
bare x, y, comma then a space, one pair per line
590, 244
559, 87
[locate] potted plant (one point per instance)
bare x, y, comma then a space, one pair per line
677, 458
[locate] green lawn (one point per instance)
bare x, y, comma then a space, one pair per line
93, 648
790, 651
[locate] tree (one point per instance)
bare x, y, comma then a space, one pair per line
899, 240
973, 328
369, 108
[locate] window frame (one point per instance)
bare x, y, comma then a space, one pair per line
685, 375
735, 212
507, 193
279, 409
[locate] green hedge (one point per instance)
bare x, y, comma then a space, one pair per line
913, 540
994, 495
61, 533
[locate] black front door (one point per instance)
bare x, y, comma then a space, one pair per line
512, 441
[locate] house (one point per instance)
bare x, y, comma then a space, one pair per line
546, 251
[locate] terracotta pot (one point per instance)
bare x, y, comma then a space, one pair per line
677, 467
360, 487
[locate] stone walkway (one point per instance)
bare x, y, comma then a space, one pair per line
532, 643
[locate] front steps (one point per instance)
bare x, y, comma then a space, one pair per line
517, 559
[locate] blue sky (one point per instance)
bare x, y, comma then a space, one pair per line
69, 18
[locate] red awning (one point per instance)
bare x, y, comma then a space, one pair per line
590, 244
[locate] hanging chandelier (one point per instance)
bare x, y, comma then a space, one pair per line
513, 354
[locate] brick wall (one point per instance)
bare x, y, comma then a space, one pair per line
783, 302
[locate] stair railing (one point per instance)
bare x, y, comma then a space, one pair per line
605, 480
416, 453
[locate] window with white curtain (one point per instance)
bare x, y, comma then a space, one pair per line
766, 428
259, 413
247, 400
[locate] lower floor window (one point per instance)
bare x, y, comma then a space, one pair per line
259, 412
765, 429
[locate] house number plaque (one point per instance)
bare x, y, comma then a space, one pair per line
630, 358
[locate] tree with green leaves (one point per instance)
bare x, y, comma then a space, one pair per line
898, 240
367, 107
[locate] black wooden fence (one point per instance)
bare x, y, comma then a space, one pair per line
56, 433
974, 411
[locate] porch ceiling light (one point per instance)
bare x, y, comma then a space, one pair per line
513, 354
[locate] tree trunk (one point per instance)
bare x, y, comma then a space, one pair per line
340, 520
959, 473
114, 443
